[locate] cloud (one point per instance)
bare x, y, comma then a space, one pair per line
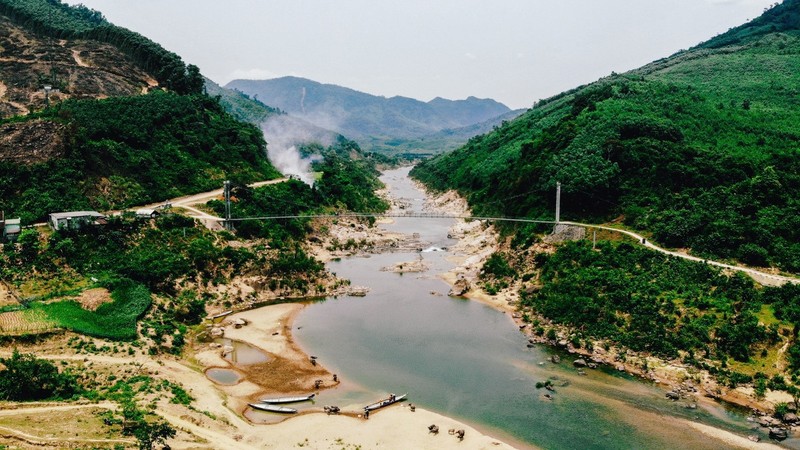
470, 55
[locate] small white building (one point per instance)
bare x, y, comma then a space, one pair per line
147, 213
10, 228
73, 220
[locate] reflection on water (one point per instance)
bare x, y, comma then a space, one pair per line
223, 376
243, 353
469, 361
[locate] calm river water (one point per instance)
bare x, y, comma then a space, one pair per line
468, 361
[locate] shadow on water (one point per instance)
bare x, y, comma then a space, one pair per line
469, 361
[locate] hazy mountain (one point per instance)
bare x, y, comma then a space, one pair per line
440, 141
366, 117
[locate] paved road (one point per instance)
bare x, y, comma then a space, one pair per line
209, 220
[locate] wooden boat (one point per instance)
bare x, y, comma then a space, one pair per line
272, 408
278, 400
385, 402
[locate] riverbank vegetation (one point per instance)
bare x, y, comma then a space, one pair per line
700, 149
620, 294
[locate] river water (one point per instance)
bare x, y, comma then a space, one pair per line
468, 361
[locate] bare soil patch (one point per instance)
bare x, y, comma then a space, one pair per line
78, 428
91, 299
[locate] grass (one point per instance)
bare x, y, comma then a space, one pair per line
115, 320
42, 288
79, 425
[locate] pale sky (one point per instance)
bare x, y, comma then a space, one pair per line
515, 51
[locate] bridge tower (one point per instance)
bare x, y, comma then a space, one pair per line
227, 195
558, 202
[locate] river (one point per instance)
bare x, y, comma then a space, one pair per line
466, 360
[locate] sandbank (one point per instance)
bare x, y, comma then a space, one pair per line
396, 427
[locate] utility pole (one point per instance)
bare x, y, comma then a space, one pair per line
227, 195
558, 202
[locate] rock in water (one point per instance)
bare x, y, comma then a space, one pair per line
778, 434
461, 287
580, 362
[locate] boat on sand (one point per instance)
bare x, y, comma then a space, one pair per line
280, 400
272, 408
385, 402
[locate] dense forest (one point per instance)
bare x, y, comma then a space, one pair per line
662, 305
701, 149
128, 151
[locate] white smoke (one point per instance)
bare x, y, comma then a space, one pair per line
284, 134
289, 161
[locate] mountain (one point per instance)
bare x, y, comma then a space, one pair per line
368, 119
125, 121
280, 129
702, 149
440, 141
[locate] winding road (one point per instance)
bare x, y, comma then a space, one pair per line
760, 276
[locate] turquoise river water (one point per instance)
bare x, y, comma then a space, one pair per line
468, 361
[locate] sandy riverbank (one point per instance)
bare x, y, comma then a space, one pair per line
397, 427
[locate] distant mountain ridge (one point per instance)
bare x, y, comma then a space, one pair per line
362, 116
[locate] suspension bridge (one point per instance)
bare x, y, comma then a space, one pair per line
760, 276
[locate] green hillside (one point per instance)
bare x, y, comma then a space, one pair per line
129, 151
240, 105
700, 148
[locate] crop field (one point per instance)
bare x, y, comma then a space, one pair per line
15, 323
113, 320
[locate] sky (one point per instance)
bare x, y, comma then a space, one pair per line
514, 51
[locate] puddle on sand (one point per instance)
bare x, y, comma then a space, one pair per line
227, 377
243, 354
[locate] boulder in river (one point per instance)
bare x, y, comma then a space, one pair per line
791, 418
672, 395
460, 287
580, 362
767, 421
778, 434
555, 359
217, 332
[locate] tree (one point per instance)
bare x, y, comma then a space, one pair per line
149, 434
28, 378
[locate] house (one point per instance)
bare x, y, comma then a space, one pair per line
10, 227
73, 220
147, 213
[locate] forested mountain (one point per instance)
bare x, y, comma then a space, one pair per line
240, 105
375, 122
701, 148
124, 123
440, 141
